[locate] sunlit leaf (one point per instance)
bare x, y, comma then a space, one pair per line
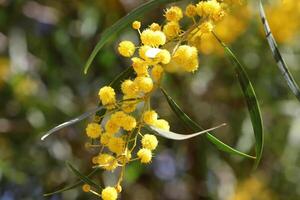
72, 121
72, 186
277, 55
83, 177
175, 136
121, 24
196, 127
251, 100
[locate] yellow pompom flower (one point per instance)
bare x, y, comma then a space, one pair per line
162, 124
145, 84
116, 145
145, 155
173, 13
107, 162
186, 57
142, 52
155, 27
128, 123
126, 48
190, 10
163, 56
111, 127
157, 72
109, 193
206, 27
211, 9
130, 105
149, 142
118, 117
136, 25
140, 67
128, 87
93, 130
172, 29
153, 38
105, 138
107, 96
150, 117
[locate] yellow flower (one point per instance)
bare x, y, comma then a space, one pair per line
105, 138
162, 124
136, 25
107, 96
128, 87
142, 52
128, 123
126, 48
186, 57
163, 56
190, 10
155, 27
145, 155
107, 162
118, 117
210, 9
109, 193
149, 142
93, 130
206, 27
111, 127
173, 13
157, 72
150, 117
140, 67
172, 29
145, 84
116, 145
130, 105
153, 38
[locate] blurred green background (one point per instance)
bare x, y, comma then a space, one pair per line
43, 47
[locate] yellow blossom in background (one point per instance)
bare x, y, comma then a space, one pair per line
109, 193
4, 69
283, 17
253, 188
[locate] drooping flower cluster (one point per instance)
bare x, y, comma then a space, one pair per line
163, 48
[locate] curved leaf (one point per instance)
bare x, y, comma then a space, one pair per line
74, 185
196, 127
277, 55
72, 121
121, 24
251, 100
82, 177
175, 136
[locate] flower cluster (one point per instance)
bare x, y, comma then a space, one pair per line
163, 48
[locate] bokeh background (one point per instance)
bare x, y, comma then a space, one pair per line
43, 47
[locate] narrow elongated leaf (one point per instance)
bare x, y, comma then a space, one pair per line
72, 121
251, 100
196, 127
121, 24
277, 55
72, 186
175, 136
82, 177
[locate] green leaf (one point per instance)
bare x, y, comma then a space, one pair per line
251, 100
72, 121
175, 136
277, 55
196, 127
121, 24
72, 186
83, 177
